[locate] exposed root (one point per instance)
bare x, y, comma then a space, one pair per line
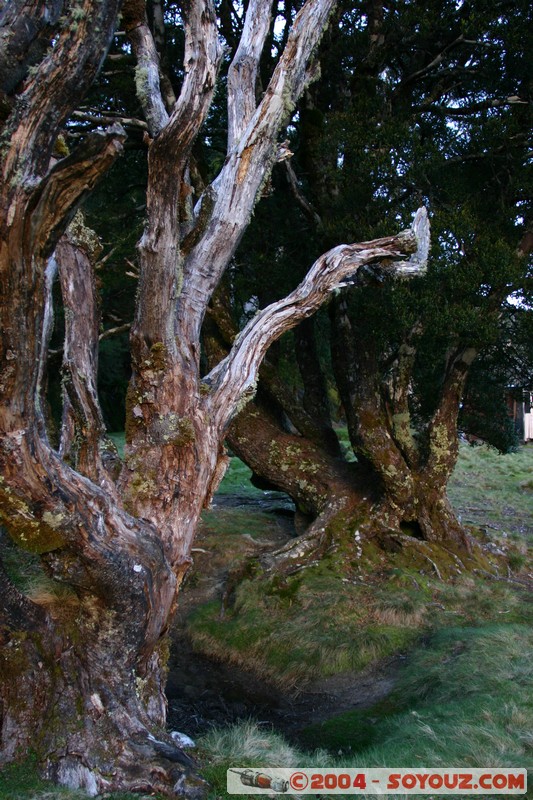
313, 543
147, 765
515, 581
297, 554
410, 541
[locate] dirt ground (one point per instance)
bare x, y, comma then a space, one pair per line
204, 693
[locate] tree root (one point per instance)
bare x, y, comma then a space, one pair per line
297, 554
515, 581
147, 764
314, 542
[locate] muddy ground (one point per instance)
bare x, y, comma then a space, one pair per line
205, 693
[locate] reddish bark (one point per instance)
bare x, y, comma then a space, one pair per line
92, 665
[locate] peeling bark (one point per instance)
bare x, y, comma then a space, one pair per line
83, 442
26, 28
90, 650
237, 374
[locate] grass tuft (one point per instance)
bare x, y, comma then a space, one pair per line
463, 699
249, 745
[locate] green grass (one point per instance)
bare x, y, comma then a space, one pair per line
119, 438
313, 624
494, 491
463, 695
345, 612
325, 620
316, 624
463, 700
237, 480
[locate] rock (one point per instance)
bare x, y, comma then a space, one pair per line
182, 740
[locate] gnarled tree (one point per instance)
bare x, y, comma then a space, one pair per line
406, 117
82, 679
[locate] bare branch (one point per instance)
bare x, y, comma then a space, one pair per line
308, 209
48, 326
110, 119
83, 429
474, 108
234, 379
437, 60
160, 278
248, 165
203, 53
147, 82
62, 77
114, 331
242, 74
68, 182
158, 27
26, 29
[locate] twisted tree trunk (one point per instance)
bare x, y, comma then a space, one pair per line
82, 664
413, 472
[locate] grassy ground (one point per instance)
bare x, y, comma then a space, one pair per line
350, 610
493, 491
462, 693
462, 700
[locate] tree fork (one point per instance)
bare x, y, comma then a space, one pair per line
119, 556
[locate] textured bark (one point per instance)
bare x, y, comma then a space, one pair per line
26, 27
413, 475
89, 649
106, 632
248, 164
396, 493
303, 463
84, 443
86, 659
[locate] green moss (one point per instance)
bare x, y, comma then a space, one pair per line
142, 85
61, 149
27, 530
13, 657
440, 447
284, 588
78, 13
83, 236
171, 429
143, 484
159, 356
245, 398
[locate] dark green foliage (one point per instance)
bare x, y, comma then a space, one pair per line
113, 375
436, 110
485, 413
467, 685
